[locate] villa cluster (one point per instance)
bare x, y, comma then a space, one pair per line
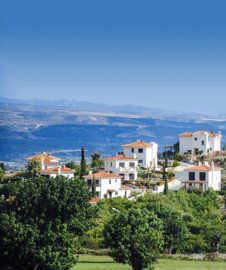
123, 166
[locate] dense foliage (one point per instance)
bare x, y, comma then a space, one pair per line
192, 221
42, 222
134, 237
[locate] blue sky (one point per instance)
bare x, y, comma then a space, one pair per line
167, 54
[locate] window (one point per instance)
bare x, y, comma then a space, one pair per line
116, 193
111, 164
140, 161
89, 182
131, 176
203, 142
191, 176
131, 164
115, 180
210, 148
122, 164
97, 182
122, 175
202, 176
195, 139
140, 150
189, 151
132, 150
109, 181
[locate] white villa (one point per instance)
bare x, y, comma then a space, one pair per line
56, 171
122, 165
46, 160
108, 185
200, 176
51, 167
146, 153
204, 141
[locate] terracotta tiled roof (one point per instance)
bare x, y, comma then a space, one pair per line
186, 134
195, 182
48, 161
64, 170
102, 175
190, 134
125, 187
110, 190
137, 144
120, 157
45, 156
94, 200
203, 168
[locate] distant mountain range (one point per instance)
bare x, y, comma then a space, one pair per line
28, 127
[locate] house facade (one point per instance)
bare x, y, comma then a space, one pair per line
146, 153
46, 160
53, 172
199, 142
122, 165
108, 185
200, 176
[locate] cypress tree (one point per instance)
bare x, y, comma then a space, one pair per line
165, 165
83, 163
94, 188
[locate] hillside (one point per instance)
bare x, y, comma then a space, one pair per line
26, 129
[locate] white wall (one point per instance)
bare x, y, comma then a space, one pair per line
213, 178
211, 144
149, 155
114, 166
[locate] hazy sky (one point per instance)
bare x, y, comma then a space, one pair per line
159, 53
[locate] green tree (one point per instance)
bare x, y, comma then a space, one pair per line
93, 187
2, 165
83, 163
175, 231
42, 223
96, 161
2, 173
165, 179
71, 165
33, 166
134, 237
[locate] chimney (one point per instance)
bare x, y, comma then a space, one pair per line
134, 155
59, 170
90, 172
42, 163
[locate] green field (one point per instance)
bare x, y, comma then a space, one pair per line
91, 262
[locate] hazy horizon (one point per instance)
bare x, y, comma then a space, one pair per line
158, 54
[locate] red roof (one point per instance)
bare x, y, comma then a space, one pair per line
94, 200
102, 175
64, 170
190, 134
111, 190
195, 182
203, 168
121, 157
125, 187
47, 158
138, 143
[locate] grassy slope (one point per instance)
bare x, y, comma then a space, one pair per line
90, 262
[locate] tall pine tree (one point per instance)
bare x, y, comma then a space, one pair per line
83, 163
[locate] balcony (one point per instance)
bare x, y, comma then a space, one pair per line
127, 169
